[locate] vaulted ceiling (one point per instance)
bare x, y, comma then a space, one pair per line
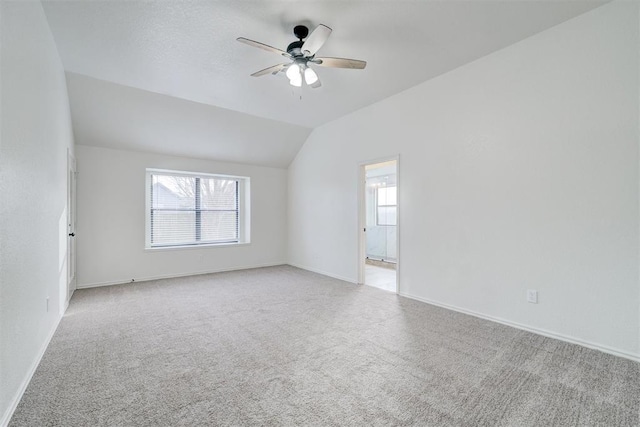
187, 50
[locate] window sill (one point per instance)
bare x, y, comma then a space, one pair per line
183, 247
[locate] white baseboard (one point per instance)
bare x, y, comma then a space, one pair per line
171, 276
324, 273
6, 417
558, 336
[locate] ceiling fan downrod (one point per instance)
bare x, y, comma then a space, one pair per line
295, 48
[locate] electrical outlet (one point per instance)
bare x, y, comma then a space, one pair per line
532, 296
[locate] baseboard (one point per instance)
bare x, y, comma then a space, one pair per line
324, 273
25, 382
558, 336
171, 276
555, 335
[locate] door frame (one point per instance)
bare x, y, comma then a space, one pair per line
362, 217
72, 220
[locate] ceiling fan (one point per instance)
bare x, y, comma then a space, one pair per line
302, 53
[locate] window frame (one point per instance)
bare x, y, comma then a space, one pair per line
378, 206
242, 201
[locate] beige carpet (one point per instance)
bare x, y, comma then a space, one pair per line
282, 346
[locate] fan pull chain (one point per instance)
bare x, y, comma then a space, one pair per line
293, 92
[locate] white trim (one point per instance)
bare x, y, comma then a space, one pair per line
362, 223
173, 172
567, 338
324, 273
202, 246
4, 422
172, 276
398, 222
71, 220
147, 210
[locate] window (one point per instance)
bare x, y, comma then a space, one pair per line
187, 209
386, 205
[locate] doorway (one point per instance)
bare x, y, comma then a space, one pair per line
378, 253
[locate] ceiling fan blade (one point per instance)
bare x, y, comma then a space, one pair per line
355, 64
271, 70
263, 46
315, 40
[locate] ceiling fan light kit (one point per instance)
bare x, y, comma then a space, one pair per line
310, 76
302, 53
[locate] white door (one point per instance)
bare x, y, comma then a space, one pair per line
71, 227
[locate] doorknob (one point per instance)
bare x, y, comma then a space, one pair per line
72, 234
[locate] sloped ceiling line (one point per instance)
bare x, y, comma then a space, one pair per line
186, 50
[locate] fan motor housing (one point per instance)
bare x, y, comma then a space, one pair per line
295, 49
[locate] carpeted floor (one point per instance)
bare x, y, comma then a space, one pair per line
282, 346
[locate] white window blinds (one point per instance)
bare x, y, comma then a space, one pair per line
193, 209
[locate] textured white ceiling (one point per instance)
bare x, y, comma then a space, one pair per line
114, 116
188, 49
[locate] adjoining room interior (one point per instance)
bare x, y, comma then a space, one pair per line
381, 225
183, 211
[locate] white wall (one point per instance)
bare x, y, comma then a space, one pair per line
111, 219
110, 115
36, 133
517, 171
